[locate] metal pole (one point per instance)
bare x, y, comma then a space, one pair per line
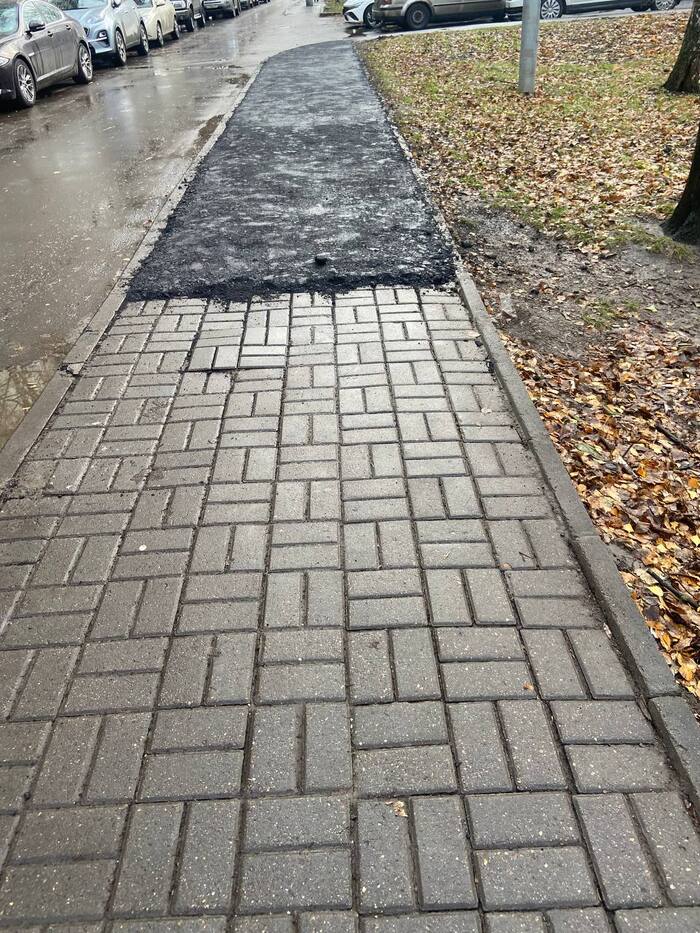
529, 41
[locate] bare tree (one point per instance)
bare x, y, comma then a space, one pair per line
685, 75
684, 222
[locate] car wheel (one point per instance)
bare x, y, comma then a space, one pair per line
418, 16
175, 34
189, 25
119, 49
83, 73
368, 17
552, 9
143, 48
663, 6
202, 22
160, 38
25, 84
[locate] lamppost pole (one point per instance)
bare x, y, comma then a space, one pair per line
529, 41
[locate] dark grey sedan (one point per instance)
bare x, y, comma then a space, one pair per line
39, 45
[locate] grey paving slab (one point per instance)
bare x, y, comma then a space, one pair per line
303, 683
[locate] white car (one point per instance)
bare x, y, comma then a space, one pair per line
159, 19
359, 13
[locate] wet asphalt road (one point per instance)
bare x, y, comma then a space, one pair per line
296, 178
85, 171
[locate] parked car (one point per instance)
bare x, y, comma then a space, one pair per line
112, 27
359, 13
553, 9
228, 8
159, 19
417, 14
39, 46
189, 12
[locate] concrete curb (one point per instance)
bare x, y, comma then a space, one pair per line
28, 430
671, 713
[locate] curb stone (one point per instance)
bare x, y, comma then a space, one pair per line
670, 712
28, 430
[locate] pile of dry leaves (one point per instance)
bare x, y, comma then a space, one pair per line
599, 145
549, 190
625, 424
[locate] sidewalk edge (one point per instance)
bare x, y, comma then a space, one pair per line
27, 432
671, 713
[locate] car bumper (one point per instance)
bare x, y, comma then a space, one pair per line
182, 15
388, 14
353, 16
7, 82
215, 5
101, 47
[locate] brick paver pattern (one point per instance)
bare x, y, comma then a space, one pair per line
291, 629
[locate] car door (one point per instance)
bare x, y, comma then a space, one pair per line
42, 52
65, 46
129, 14
165, 16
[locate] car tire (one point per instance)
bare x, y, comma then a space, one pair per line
25, 84
368, 18
83, 68
175, 34
160, 38
119, 49
189, 25
202, 21
552, 9
417, 17
662, 6
143, 48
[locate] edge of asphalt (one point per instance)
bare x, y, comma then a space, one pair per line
28, 430
670, 712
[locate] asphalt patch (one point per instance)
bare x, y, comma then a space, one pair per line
307, 189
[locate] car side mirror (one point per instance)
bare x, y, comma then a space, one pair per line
36, 25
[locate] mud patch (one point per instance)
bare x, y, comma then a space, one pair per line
306, 190
563, 301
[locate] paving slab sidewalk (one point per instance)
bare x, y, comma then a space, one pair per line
294, 641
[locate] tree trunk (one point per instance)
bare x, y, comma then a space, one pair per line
684, 222
685, 75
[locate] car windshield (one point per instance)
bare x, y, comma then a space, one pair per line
9, 19
143, 3
68, 5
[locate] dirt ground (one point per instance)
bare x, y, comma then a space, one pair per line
535, 285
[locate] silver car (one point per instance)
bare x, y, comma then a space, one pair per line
112, 27
228, 8
553, 9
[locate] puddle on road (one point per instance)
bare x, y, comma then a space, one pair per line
20, 386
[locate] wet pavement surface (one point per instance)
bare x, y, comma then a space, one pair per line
84, 173
309, 191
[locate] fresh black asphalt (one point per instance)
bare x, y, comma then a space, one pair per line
307, 165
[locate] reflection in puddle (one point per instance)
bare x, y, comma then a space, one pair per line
20, 386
